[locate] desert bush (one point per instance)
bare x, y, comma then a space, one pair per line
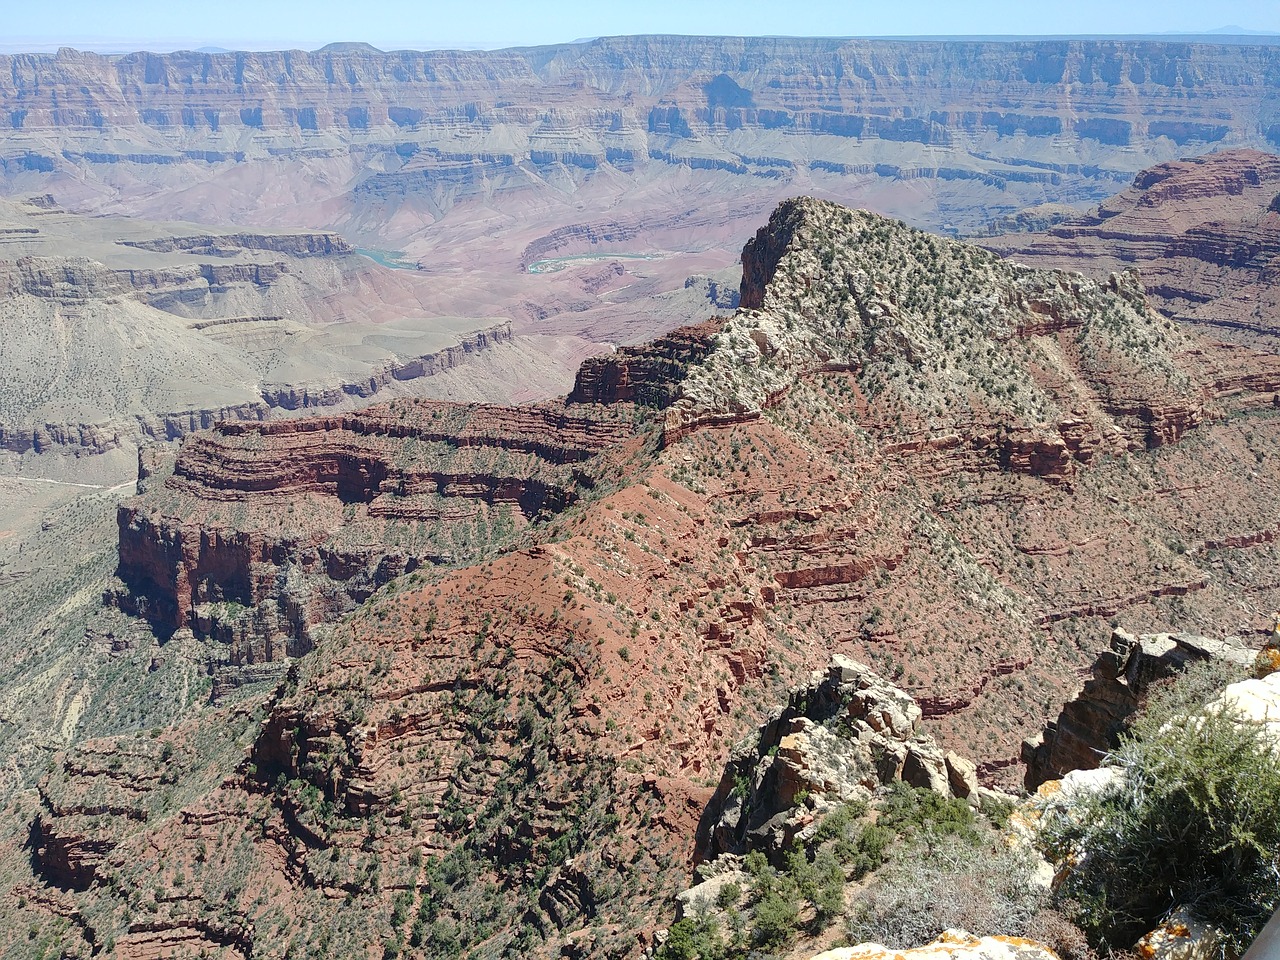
946, 881
776, 918
693, 938
918, 812
1191, 823
1051, 927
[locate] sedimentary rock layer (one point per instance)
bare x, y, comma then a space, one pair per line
1028, 120
1204, 233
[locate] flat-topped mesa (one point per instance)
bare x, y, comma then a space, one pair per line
72, 279
262, 530
229, 244
1018, 362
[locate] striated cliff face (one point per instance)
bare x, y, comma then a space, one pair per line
974, 130
910, 453
650, 375
1205, 234
366, 497
627, 102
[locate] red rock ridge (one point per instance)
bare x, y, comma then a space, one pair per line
1203, 232
212, 533
649, 375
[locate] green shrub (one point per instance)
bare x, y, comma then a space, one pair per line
864, 851
913, 810
1192, 823
693, 938
828, 888
728, 896
777, 917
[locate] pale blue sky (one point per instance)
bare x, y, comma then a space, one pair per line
398, 24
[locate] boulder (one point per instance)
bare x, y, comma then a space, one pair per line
1181, 937
1257, 701
951, 945
962, 774
837, 741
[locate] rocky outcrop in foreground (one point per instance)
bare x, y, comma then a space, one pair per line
951, 945
835, 742
1091, 724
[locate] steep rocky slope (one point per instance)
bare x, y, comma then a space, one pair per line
1204, 232
259, 532
1090, 724
906, 450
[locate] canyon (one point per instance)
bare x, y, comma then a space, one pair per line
411, 489
956, 469
118, 333
397, 139
492, 189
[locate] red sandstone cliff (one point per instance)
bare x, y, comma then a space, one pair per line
1204, 233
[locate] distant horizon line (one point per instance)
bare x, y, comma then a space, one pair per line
124, 48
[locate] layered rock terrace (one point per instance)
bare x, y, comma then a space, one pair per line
1204, 233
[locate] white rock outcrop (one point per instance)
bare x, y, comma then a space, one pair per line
952, 945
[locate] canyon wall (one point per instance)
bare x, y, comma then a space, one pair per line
1204, 233
1066, 119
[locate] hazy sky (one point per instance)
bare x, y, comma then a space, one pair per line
399, 24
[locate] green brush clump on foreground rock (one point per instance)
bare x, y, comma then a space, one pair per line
1190, 822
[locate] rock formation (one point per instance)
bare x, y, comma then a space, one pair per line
1090, 724
367, 497
1257, 701
952, 945
650, 375
1203, 232
836, 741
